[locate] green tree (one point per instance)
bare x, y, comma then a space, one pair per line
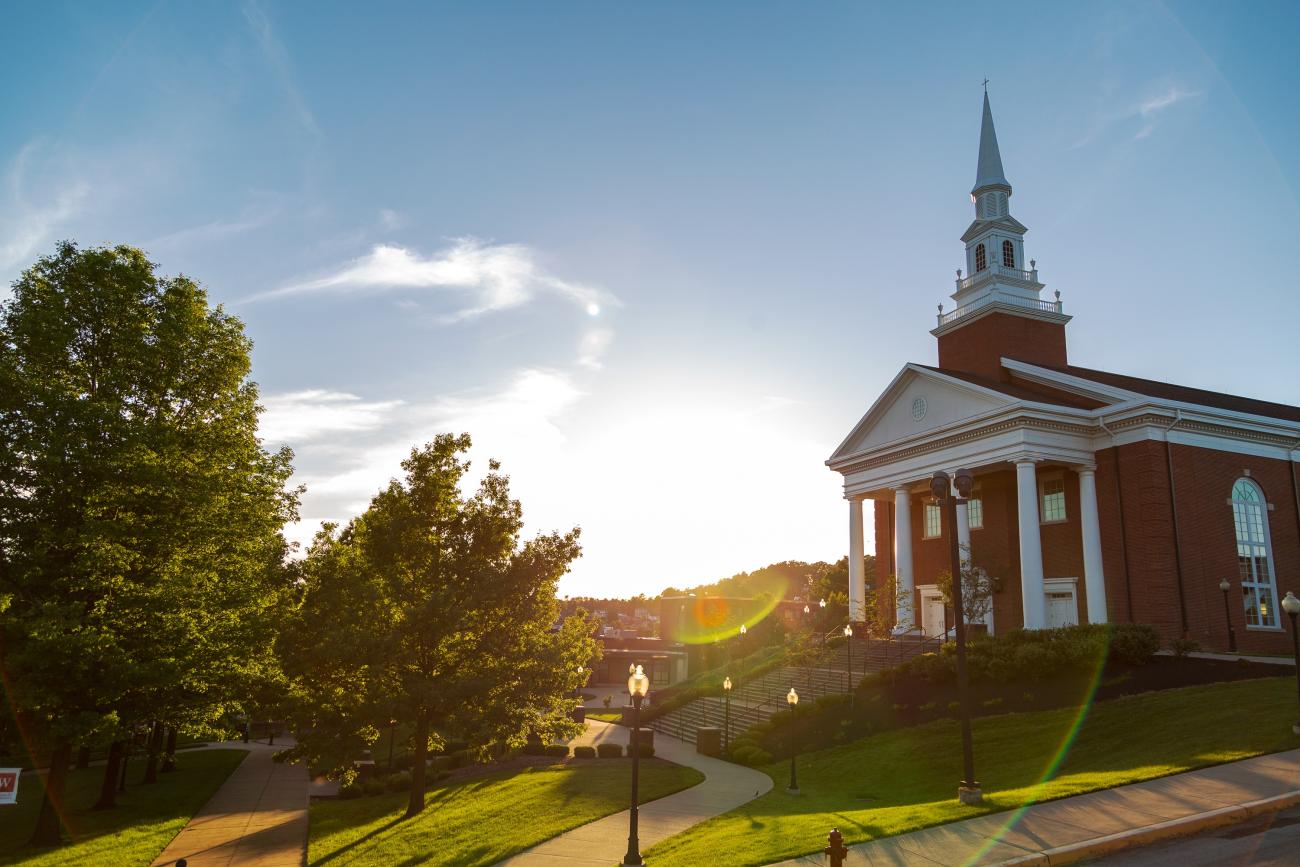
140, 517
427, 606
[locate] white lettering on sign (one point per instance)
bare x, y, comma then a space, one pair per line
9, 785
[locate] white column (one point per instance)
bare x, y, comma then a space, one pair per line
1094, 578
1031, 546
903, 560
857, 581
963, 542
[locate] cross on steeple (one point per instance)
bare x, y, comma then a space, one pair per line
986, 85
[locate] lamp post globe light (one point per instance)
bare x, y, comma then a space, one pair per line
726, 717
792, 699
968, 791
1291, 605
637, 687
1225, 586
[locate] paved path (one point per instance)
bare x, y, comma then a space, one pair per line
604, 842
258, 818
1088, 826
1269, 840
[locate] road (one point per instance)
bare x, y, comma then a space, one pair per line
1268, 840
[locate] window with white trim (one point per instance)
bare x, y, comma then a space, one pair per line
933, 526
981, 262
1051, 499
1254, 554
975, 513
1008, 254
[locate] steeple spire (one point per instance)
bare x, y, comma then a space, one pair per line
989, 171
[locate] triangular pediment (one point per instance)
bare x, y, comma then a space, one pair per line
979, 227
919, 400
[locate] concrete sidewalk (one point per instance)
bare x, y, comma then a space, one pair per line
1089, 826
603, 842
258, 818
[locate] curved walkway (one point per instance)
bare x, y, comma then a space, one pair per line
604, 841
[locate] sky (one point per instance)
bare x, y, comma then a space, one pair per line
658, 259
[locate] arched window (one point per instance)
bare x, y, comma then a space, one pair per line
1008, 254
980, 262
1254, 554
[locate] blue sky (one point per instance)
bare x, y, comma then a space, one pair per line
658, 258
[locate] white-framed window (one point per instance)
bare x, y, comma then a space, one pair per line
1008, 254
975, 513
1051, 499
1254, 554
933, 526
981, 261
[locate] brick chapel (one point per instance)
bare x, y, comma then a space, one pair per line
1098, 497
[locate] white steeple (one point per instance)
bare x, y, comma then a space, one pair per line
999, 277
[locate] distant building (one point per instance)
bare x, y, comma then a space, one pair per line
1098, 496
664, 662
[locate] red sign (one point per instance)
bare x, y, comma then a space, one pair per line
9, 785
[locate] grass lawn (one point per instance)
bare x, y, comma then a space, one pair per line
906, 779
145, 821
609, 716
484, 819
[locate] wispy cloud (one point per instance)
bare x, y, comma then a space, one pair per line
1147, 111
306, 416
498, 276
27, 220
278, 58
347, 448
215, 230
593, 346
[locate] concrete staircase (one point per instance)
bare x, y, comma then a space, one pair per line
758, 700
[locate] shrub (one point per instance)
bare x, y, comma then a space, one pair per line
350, 791
1183, 646
398, 782
559, 751
584, 752
992, 703
750, 755
609, 751
530, 749
372, 786
954, 707
606, 701
1134, 643
403, 761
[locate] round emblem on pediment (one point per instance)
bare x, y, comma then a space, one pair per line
918, 409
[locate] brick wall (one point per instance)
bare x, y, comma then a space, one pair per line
978, 346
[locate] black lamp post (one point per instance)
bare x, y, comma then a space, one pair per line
968, 792
637, 687
1291, 605
726, 719
848, 639
392, 735
792, 699
1227, 616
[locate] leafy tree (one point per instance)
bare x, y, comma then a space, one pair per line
140, 517
976, 590
428, 607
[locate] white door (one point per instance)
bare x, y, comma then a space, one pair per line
932, 615
1062, 609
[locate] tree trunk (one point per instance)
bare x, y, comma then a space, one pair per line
112, 768
83, 757
49, 831
127, 747
155, 750
416, 803
169, 760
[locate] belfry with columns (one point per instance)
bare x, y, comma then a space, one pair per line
1098, 497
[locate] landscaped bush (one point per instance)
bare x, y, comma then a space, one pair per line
1134, 644
1181, 647
532, 749
398, 782
372, 786
584, 752
750, 754
349, 791
559, 751
609, 751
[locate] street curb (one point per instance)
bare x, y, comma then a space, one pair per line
1167, 830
